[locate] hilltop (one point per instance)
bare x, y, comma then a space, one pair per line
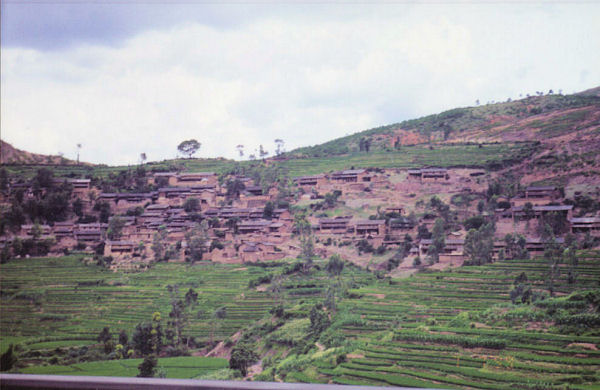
12, 155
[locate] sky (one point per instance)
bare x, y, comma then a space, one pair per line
129, 77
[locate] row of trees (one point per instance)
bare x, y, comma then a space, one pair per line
191, 146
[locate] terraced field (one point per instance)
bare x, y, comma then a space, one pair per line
413, 333
448, 329
63, 300
186, 367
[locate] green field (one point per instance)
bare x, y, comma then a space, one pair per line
488, 155
187, 367
448, 329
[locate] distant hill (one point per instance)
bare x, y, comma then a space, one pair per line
538, 118
12, 155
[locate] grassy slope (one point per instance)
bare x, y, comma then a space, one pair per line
489, 155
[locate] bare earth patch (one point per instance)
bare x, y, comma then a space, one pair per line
590, 346
378, 296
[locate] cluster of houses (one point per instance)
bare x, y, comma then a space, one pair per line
240, 229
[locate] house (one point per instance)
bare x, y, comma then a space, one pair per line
197, 178
428, 174
80, 186
539, 211
251, 252
282, 214
245, 227
542, 192
125, 201
537, 196
351, 176
584, 225
164, 179
235, 212
334, 225
434, 174
88, 236
63, 229
29, 229
119, 248
400, 224
92, 226
452, 246
370, 227
254, 190
311, 181
398, 210
414, 174
536, 245
255, 201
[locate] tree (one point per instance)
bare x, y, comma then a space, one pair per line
438, 241
242, 356
143, 158
262, 152
142, 339
4, 181
553, 252
220, 314
104, 335
147, 368
177, 318
78, 149
240, 149
78, 207
123, 338
516, 246
115, 228
158, 243
528, 212
103, 209
191, 297
335, 265
268, 210
479, 244
318, 320
197, 241
189, 147
279, 142
234, 188
191, 205
8, 359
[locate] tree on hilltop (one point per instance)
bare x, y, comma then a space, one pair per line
189, 147
279, 142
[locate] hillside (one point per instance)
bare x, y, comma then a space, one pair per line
441, 264
528, 119
558, 136
12, 155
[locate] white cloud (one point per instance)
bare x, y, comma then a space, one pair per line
306, 81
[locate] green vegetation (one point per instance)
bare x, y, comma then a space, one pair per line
185, 367
489, 155
446, 329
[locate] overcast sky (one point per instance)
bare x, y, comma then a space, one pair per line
128, 77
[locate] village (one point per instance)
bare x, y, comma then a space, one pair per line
367, 208
246, 227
